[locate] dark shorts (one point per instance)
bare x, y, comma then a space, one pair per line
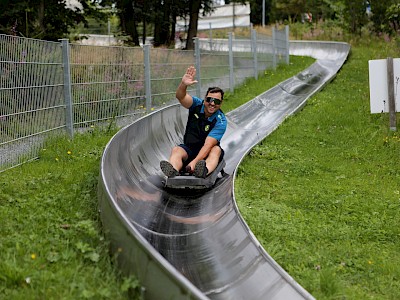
192, 153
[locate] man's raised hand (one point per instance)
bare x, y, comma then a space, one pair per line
189, 77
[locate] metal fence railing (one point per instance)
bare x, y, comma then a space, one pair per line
49, 88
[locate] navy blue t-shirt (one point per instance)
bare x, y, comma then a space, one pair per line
220, 126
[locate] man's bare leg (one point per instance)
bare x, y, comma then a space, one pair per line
213, 159
178, 156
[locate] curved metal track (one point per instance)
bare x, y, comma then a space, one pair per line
195, 245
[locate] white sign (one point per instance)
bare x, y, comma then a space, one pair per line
378, 85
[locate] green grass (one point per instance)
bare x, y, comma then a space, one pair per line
322, 193
51, 243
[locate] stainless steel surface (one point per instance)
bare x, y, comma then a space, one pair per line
195, 245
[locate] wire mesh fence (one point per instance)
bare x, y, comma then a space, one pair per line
31, 97
106, 82
166, 70
54, 88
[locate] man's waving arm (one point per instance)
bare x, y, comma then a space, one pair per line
181, 94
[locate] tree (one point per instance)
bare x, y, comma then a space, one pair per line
320, 9
161, 14
256, 11
48, 20
163, 27
289, 9
381, 13
128, 13
194, 11
393, 17
355, 15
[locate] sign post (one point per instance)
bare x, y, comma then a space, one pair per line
390, 85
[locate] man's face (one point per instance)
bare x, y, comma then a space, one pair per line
211, 107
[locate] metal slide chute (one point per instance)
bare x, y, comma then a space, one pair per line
195, 245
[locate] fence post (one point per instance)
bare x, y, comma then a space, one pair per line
391, 98
274, 48
254, 49
198, 65
230, 45
67, 87
287, 44
211, 41
109, 31
263, 13
147, 77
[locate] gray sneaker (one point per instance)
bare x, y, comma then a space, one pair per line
200, 169
168, 169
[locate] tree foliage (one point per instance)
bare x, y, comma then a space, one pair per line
355, 15
352, 15
48, 20
383, 15
393, 17
289, 9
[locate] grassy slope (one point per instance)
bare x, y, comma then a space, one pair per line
50, 240
306, 211
322, 192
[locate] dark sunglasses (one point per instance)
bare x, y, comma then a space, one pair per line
215, 100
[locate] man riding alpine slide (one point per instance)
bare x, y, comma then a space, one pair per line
200, 153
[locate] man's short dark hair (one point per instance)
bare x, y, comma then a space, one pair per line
215, 89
